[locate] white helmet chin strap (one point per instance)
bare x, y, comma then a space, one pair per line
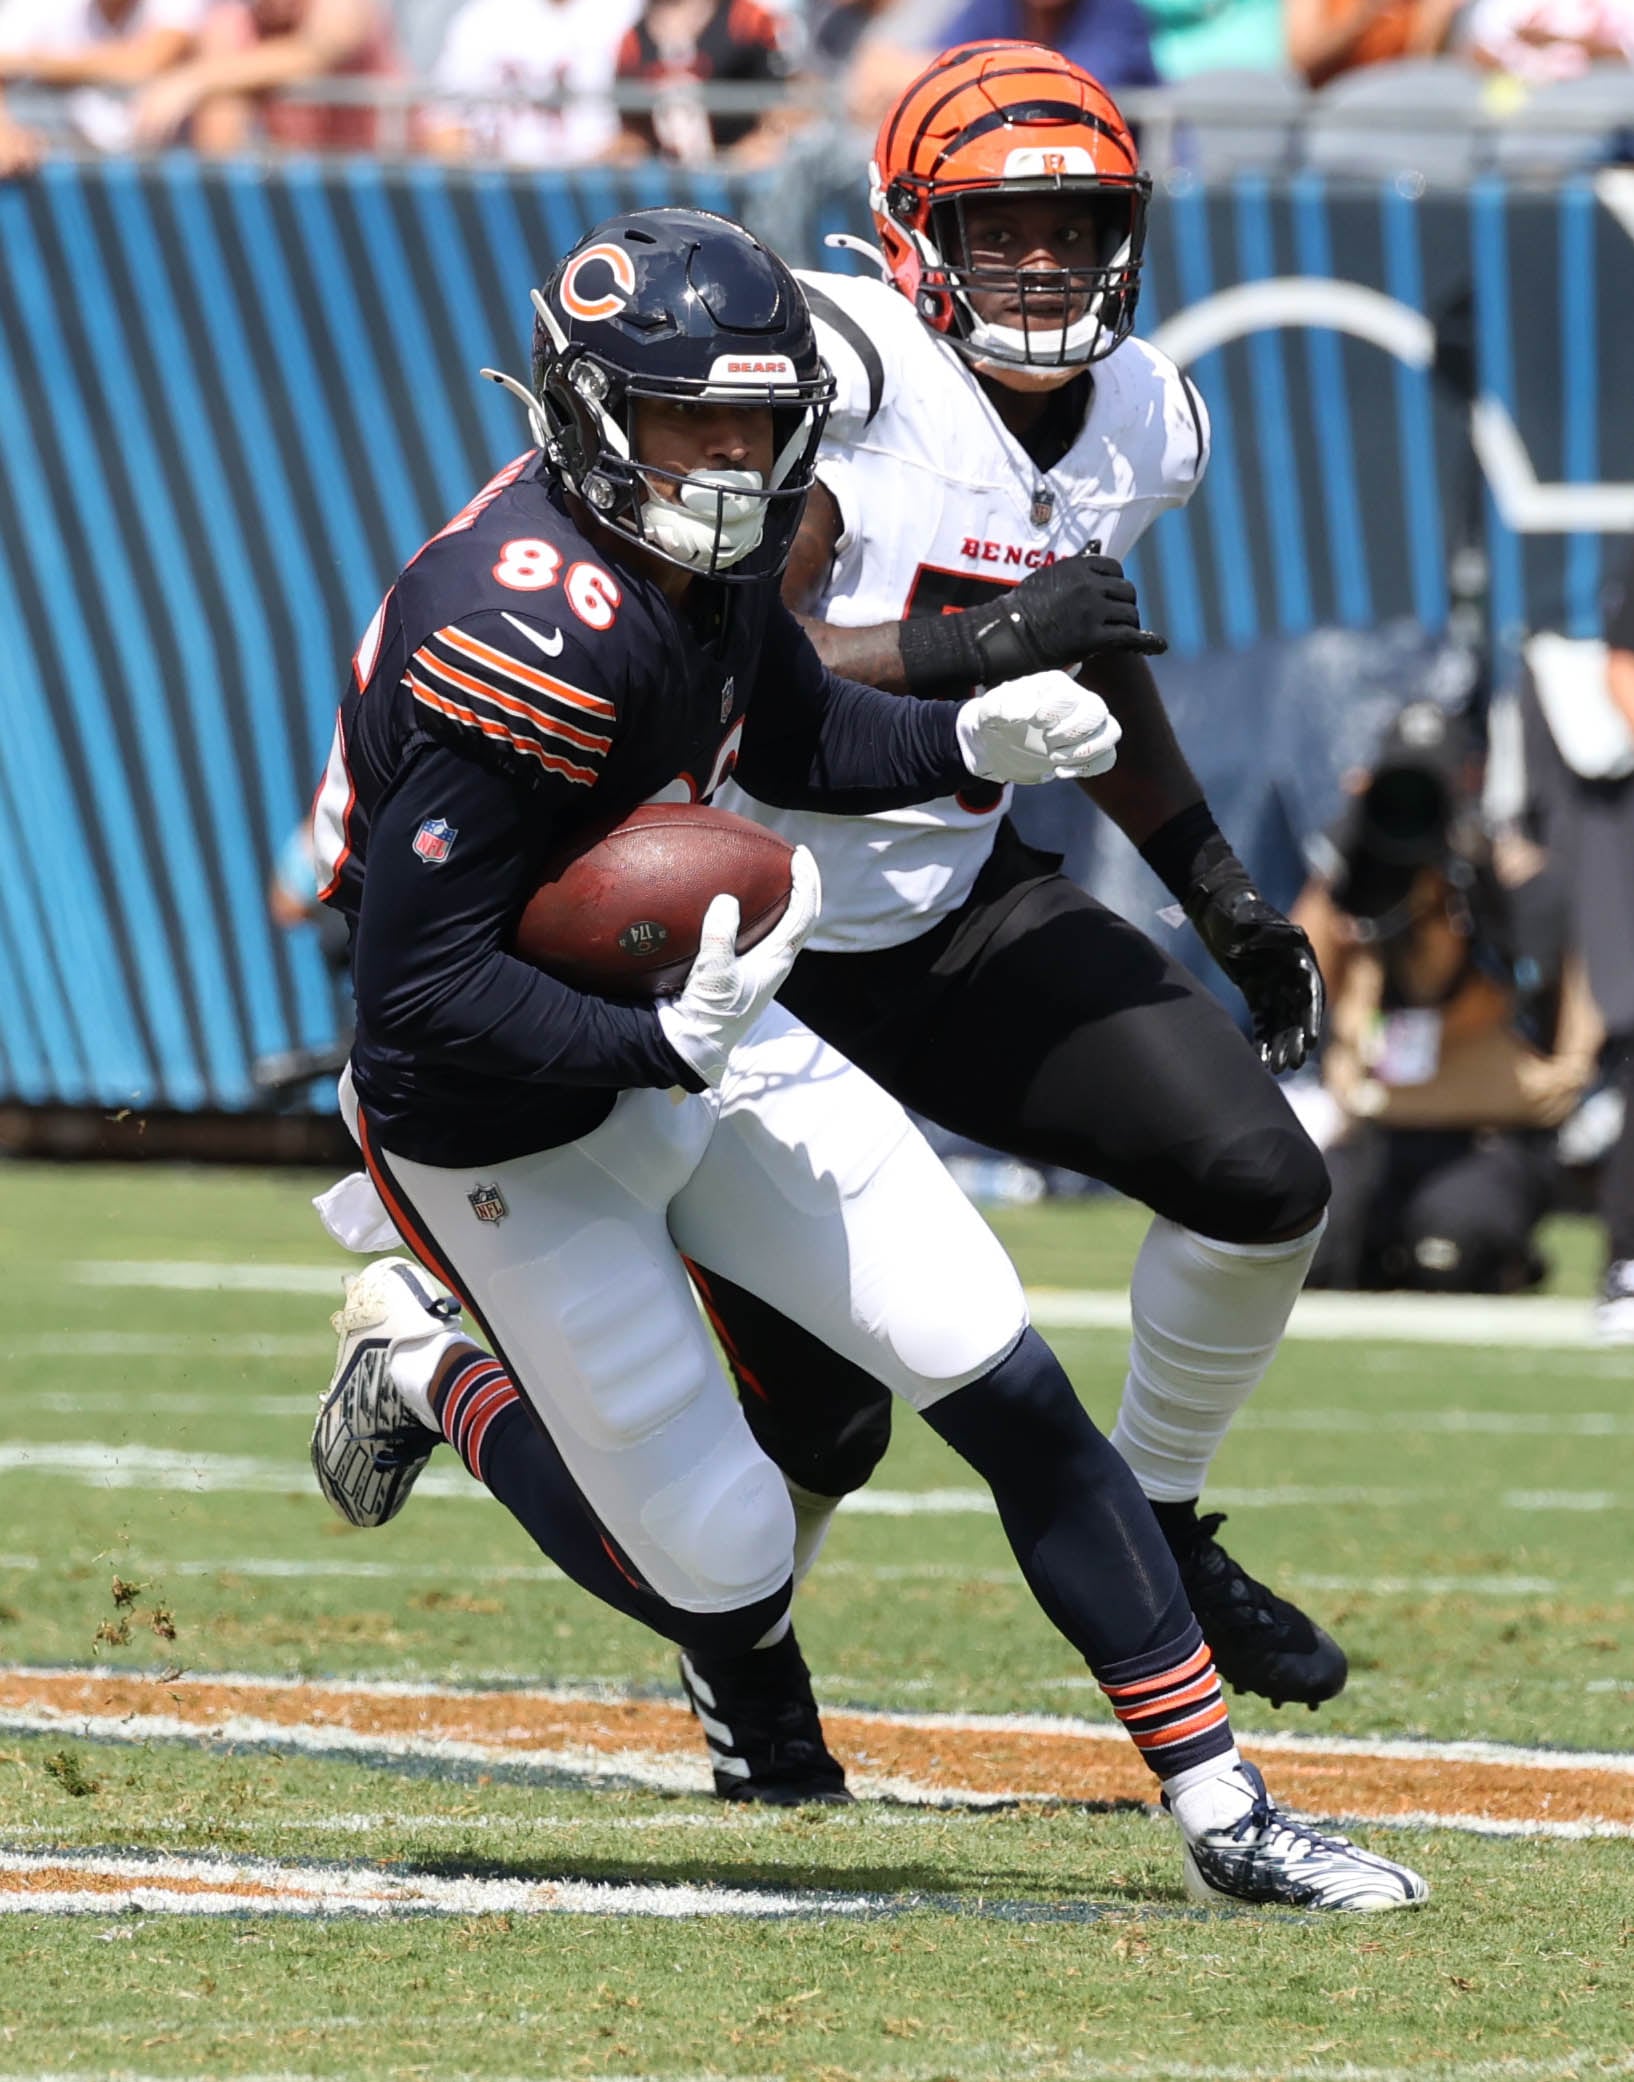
712, 524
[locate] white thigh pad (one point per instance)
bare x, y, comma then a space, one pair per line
607, 1333
727, 1521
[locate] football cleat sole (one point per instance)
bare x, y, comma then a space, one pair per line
367, 1447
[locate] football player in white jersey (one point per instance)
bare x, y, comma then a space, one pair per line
1000, 438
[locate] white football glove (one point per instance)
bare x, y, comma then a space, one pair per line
726, 992
1041, 728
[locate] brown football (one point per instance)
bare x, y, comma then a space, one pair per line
621, 917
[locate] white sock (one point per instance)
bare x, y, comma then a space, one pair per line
1210, 1796
813, 1515
1208, 1319
414, 1364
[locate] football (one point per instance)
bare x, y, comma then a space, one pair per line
622, 915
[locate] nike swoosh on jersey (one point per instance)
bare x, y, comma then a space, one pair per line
551, 645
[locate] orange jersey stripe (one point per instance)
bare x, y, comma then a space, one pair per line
401, 1218
586, 740
474, 647
423, 693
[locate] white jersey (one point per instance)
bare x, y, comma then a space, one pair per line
940, 508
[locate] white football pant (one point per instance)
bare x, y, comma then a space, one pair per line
800, 1180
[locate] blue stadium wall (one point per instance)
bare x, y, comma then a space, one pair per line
233, 401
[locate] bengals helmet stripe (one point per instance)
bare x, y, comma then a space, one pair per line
1003, 118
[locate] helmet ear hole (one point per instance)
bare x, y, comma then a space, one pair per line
902, 202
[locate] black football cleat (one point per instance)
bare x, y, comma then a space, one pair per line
1260, 1642
760, 1722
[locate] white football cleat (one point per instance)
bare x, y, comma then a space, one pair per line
1266, 1858
368, 1446
1614, 1312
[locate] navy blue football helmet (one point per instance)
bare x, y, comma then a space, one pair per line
678, 304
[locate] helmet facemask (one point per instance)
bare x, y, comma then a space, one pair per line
1054, 322
722, 524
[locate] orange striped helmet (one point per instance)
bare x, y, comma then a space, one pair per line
1011, 119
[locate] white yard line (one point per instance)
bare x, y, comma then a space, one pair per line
298, 1567
202, 1276
1435, 1319
1377, 1748
1543, 1424
104, 1465
141, 1344
227, 1886
1412, 1319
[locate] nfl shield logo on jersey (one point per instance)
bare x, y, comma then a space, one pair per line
488, 1204
434, 841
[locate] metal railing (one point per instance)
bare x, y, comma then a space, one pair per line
1169, 121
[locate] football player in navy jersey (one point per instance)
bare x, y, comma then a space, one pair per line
601, 627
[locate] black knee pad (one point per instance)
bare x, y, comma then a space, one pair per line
1257, 1186
828, 1446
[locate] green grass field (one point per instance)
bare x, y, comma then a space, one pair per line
1457, 1514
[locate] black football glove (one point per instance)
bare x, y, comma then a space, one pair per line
1266, 955
1082, 607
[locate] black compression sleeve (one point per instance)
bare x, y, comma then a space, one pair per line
814, 741
430, 964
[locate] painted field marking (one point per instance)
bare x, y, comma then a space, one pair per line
79, 1402
1545, 1424
1413, 1319
140, 1344
591, 1734
1436, 1319
104, 1465
201, 1276
77, 1883
298, 1567
1453, 1423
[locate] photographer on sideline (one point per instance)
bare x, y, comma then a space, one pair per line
1460, 1032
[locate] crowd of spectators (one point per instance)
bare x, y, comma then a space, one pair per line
531, 82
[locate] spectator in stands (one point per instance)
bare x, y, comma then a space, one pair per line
838, 31
679, 46
1460, 1034
1112, 38
1192, 36
1539, 41
1108, 38
1327, 37
88, 47
566, 48
249, 51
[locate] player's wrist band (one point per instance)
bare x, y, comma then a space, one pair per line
1188, 852
939, 655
